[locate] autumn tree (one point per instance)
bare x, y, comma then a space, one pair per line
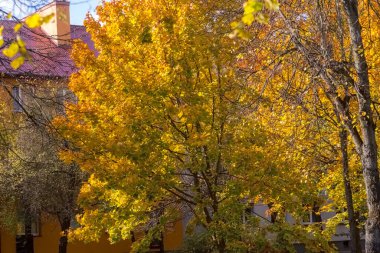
33, 179
167, 124
333, 41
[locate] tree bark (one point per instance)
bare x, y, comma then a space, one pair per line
365, 142
352, 216
162, 246
368, 150
63, 240
222, 246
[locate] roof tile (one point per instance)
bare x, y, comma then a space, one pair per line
46, 58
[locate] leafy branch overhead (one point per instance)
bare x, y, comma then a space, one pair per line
254, 10
17, 50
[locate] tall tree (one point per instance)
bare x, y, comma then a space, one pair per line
318, 33
32, 176
167, 124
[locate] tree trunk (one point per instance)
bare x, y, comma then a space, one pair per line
368, 149
65, 226
29, 246
372, 236
162, 249
221, 246
352, 217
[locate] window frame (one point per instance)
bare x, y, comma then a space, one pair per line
36, 227
17, 99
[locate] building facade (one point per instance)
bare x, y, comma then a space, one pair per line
31, 97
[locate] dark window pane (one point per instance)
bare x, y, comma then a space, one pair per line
16, 94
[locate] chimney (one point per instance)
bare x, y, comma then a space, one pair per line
59, 26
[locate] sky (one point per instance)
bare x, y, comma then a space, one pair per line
78, 9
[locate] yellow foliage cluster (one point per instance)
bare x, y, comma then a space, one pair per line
176, 116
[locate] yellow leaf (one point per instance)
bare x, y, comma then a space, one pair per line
1, 35
17, 27
16, 63
34, 20
272, 5
21, 43
47, 18
12, 50
9, 15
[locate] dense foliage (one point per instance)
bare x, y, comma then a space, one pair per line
179, 117
172, 121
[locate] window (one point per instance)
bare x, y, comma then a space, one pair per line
60, 100
17, 101
157, 245
35, 227
311, 214
247, 213
307, 218
62, 97
310, 217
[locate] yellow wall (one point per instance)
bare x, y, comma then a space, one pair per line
48, 241
8, 243
173, 237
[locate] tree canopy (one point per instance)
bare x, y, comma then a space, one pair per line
171, 120
177, 116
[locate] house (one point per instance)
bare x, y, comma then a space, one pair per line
341, 238
32, 95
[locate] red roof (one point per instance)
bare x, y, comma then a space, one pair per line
46, 58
